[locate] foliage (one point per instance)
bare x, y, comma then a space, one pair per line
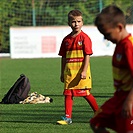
49, 13
11, 14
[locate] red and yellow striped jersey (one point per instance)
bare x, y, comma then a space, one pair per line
74, 49
123, 64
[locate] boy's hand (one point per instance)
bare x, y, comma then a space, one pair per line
83, 75
127, 108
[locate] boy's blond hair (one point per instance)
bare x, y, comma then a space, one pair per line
74, 13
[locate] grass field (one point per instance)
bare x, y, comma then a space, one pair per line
44, 78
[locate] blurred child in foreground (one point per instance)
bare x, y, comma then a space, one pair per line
75, 50
117, 112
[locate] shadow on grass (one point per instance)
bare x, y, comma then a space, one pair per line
102, 95
46, 113
99, 95
30, 116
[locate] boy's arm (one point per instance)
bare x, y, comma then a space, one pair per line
63, 64
86, 63
128, 105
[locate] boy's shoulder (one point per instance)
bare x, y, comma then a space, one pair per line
85, 35
67, 36
128, 39
81, 35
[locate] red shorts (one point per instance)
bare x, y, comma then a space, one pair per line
109, 115
77, 92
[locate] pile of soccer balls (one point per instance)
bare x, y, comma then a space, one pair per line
35, 98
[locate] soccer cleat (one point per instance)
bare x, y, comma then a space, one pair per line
65, 121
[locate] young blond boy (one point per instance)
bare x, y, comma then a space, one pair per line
75, 50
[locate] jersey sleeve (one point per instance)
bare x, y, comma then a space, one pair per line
62, 51
87, 45
129, 55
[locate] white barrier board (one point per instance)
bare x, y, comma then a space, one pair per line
42, 42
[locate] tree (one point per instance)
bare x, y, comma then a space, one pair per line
12, 14
49, 13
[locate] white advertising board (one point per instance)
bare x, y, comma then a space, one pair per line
42, 42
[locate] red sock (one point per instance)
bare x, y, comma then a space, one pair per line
68, 106
92, 101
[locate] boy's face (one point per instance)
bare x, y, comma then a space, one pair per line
110, 33
76, 23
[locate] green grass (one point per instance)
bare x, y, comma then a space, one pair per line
44, 78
